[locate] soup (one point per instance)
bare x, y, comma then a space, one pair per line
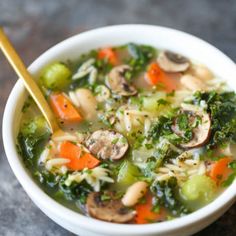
148, 135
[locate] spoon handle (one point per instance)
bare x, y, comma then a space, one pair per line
29, 82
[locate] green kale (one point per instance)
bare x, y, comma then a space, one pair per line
161, 128
47, 178
166, 193
182, 121
160, 156
141, 55
222, 108
32, 137
76, 191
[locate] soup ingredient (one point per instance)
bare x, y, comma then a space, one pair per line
102, 93
86, 70
141, 55
153, 102
166, 193
172, 62
222, 108
128, 173
192, 83
220, 170
109, 55
107, 144
232, 176
146, 212
134, 193
117, 82
63, 108
156, 76
195, 125
110, 209
78, 160
198, 191
201, 72
94, 178
33, 135
56, 76
86, 103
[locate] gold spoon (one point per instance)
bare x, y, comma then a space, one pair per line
29, 82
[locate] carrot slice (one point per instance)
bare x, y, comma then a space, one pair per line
63, 108
145, 214
155, 75
108, 54
72, 152
220, 170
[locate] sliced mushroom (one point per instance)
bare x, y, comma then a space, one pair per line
201, 132
107, 144
117, 82
172, 62
111, 210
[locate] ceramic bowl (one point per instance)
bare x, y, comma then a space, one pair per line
71, 48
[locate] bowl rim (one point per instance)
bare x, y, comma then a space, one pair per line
229, 195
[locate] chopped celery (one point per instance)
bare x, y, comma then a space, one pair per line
198, 191
151, 103
56, 76
128, 174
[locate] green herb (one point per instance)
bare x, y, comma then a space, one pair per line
162, 102
141, 55
148, 146
115, 140
182, 121
222, 108
76, 191
166, 193
231, 177
33, 135
171, 94
105, 197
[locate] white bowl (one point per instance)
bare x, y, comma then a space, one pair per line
71, 48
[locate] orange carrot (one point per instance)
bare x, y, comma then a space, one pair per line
145, 214
108, 54
155, 75
72, 152
63, 108
220, 170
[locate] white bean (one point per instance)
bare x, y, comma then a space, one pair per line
202, 72
192, 83
88, 103
134, 193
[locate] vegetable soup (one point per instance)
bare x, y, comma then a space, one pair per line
148, 135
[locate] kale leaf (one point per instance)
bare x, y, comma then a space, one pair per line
160, 156
76, 191
161, 128
32, 137
222, 108
166, 193
140, 57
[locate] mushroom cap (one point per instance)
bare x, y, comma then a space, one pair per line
172, 62
111, 210
107, 144
201, 133
117, 82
